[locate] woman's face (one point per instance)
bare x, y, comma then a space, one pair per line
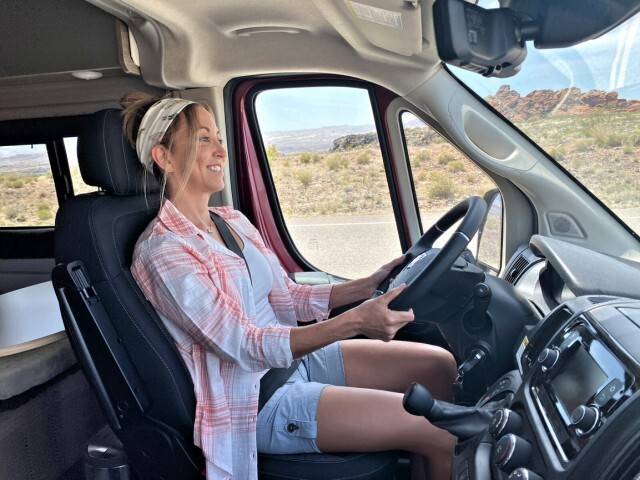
207, 174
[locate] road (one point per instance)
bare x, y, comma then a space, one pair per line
355, 246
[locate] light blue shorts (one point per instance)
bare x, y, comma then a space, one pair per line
287, 422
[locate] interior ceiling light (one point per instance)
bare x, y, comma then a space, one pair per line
87, 74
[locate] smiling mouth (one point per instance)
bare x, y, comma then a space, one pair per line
215, 168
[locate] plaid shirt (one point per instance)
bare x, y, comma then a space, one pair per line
202, 292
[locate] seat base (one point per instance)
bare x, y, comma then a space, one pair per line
328, 466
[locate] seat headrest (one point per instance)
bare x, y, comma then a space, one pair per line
106, 158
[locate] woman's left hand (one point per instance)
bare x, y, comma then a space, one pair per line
383, 272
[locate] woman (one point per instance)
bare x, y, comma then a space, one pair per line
232, 321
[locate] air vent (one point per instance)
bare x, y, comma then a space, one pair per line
518, 266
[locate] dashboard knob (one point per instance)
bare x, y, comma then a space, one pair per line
505, 421
511, 452
524, 474
585, 419
548, 358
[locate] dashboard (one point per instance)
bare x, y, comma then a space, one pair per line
549, 272
571, 409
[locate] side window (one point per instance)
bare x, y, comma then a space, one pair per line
27, 192
70, 146
442, 175
325, 160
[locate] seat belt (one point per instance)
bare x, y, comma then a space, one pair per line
228, 239
276, 377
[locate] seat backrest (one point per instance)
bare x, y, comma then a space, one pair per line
100, 230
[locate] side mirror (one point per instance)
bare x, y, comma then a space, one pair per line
490, 234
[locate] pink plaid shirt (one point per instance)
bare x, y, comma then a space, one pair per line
202, 292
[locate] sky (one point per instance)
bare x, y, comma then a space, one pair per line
606, 63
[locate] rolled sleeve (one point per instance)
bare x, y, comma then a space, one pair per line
310, 301
179, 287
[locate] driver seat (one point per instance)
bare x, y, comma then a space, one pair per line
124, 349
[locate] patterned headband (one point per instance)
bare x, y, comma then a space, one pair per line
155, 124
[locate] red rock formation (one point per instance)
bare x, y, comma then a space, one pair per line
571, 101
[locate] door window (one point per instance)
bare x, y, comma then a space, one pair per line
442, 175
325, 160
27, 192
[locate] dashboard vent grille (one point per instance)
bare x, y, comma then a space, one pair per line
517, 267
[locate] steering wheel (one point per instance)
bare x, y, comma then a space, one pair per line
423, 264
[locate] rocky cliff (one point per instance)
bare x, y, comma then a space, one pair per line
541, 103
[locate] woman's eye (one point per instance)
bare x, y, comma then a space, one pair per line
205, 139
220, 140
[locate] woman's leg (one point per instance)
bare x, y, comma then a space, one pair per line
365, 420
394, 365
371, 416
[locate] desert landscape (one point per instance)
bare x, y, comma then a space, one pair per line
594, 134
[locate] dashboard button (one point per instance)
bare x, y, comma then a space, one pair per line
505, 421
524, 474
511, 452
585, 419
613, 387
548, 358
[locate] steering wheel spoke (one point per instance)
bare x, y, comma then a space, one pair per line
424, 264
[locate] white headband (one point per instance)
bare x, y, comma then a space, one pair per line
155, 124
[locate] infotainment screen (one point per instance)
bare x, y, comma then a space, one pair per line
578, 380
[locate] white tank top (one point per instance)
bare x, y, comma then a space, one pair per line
262, 280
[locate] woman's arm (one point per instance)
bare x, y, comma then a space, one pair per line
362, 288
371, 318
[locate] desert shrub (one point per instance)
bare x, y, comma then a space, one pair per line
272, 152
305, 158
16, 184
315, 158
43, 214
12, 212
336, 162
445, 158
420, 157
628, 148
440, 187
456, 166
557, 153
304, 177
580, 145
613, 140
422, 176
363, 159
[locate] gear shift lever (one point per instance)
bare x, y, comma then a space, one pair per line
463, 422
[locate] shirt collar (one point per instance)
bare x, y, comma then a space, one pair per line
174, 220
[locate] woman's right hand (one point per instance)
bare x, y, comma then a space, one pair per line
377, 321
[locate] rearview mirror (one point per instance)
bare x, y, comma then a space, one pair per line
492, 42
484, 41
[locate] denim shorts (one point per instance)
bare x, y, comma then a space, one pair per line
287, 422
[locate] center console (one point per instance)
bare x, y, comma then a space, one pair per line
572, 409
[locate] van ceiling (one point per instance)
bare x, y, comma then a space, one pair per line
42, 42
203, 43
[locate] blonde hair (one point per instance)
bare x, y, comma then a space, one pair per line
134, 106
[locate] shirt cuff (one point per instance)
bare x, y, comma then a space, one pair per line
276, 346
319, 301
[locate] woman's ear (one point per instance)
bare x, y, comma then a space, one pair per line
160, 155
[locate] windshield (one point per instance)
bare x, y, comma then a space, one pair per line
582, 106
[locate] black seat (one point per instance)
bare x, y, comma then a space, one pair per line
125, 351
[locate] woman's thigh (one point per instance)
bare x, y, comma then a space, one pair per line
394, 365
